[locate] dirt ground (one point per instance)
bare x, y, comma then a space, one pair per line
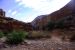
43, 44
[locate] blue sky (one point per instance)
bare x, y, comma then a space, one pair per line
28, 10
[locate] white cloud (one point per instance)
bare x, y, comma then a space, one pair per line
44, 6
18, 0
9, 11
13, 13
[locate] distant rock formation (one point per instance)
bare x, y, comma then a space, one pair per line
2, 13
9, 24
67, 10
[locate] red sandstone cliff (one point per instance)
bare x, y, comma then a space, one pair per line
9, 24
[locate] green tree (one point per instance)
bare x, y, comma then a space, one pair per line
1, 34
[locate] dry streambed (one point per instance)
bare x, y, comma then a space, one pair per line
43, 44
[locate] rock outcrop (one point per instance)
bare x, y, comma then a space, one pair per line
2, 13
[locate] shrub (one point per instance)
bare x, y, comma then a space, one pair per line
1, 34
16, 37
39, 34
60, 24
50, 25
35, 34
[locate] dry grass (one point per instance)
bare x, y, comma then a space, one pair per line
39, 34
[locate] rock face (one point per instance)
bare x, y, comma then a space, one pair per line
9, 24
63, 12
39, 21
2, 13
67, 10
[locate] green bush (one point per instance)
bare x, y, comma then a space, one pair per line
1, 34
16, 37
50, 25
60, 24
